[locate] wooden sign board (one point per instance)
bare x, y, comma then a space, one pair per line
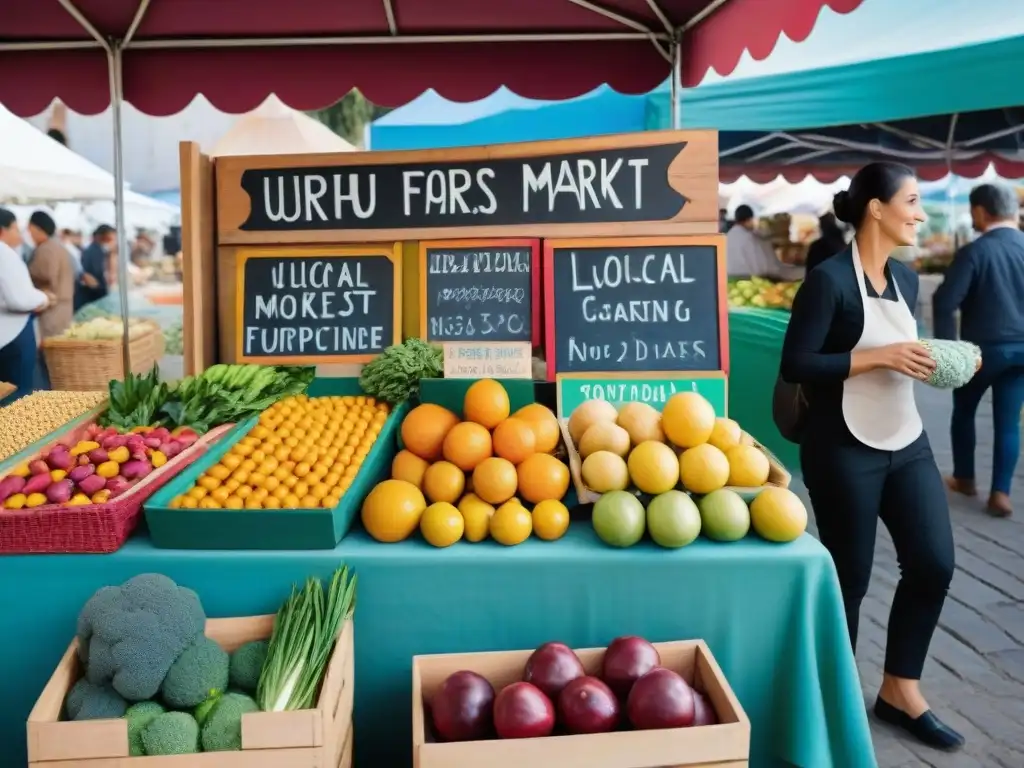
652, 388
479, 290
316, 306
656, 182
636, 305
483, 360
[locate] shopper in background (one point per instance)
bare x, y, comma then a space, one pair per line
19, 299
747, 252
93, 284
72, 242
830, 242
52, 272
986, 283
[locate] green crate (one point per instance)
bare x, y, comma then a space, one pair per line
273, 529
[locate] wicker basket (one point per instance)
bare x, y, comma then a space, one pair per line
79, 365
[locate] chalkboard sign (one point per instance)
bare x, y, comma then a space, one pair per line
572, 389
479, 291
639, 304
321, 306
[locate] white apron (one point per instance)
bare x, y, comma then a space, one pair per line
879, 406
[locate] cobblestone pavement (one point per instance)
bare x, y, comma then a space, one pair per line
974, 678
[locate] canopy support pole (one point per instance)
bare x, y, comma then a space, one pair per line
115, 72
676, 79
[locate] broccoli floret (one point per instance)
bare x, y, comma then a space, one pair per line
172, 733
222, 728
88, 701
129, 636
200, 669
247, 665
139, 716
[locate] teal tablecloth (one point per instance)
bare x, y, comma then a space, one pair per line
771, 615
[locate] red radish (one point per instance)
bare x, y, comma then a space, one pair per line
37, 484
522, 711
161, 433
170, 448
152, 442
587, 705
626, 661
133, 470
551, 667
98, 455
462, 708
92, 484
60, 491
59, 458
11, 485
117, 485
703, 712
78, 474
661, 699
38, 467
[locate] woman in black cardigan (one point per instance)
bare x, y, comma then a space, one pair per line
852, 344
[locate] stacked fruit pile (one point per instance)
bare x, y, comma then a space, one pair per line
633, 690
99, 467
760, 292
304, 453
475, 473
664, 458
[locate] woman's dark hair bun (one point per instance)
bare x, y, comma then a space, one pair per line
841, 206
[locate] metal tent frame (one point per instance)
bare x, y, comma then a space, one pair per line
667, 41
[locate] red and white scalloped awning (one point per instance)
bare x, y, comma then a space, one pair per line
311, 52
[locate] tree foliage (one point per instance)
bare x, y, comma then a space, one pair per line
348, 118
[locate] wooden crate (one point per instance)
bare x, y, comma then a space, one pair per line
726, 745
312, 738
778, 475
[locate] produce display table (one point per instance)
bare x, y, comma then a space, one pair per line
771, 614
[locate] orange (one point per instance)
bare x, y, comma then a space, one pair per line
392, 510
542, 477
494, 480
544, 424
409, 467
443, 481
514, 440
466, 445
424, 429
486, 403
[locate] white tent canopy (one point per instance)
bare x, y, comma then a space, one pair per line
276, 129
809, 196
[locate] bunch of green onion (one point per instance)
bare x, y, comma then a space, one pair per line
305, 631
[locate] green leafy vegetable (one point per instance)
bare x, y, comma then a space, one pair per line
305, 631
394, 375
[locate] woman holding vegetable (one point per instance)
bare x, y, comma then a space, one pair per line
19, 300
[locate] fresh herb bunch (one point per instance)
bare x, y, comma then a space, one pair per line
222, 394
305, 631
394, 375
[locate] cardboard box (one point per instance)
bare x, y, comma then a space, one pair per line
310, 738
778, 475
726, 745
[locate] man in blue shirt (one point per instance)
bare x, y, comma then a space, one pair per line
986, 283
92, 280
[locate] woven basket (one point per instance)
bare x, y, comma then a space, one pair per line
80, 365
94, 528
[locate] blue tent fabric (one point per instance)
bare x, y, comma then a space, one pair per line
432, 121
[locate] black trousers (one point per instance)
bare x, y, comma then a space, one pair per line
851, 487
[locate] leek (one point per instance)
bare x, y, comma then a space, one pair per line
305, 631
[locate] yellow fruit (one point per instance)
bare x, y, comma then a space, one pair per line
466, 445
587, 414
605, 471
542, 477
476, 515
544, 424
642, 422
688, 419
725, 434
514, 439
16, 501
653, 467
604, 436
441, 524
748, 466
703, 469
443, 481
511, 524
35, 500
495, 480
778, 514
392, 510
486, 403
424, 429
550, 520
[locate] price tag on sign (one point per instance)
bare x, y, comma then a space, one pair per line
478, 360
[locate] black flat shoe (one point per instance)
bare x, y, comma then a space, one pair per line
927, 728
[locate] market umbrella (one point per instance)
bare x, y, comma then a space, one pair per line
276, 129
